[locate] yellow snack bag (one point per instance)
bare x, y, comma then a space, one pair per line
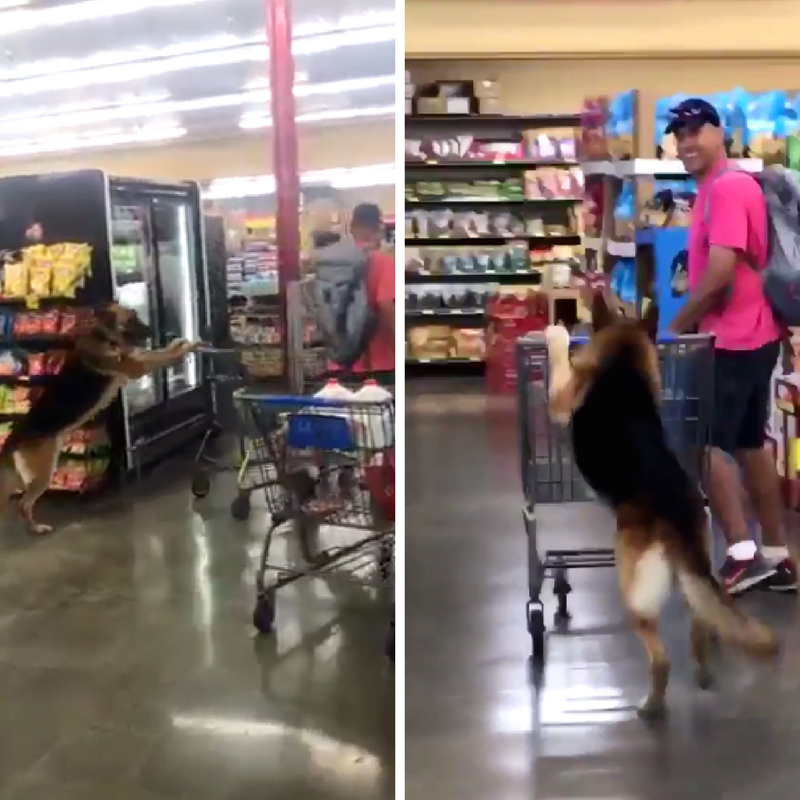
40, 272
71, 268
15, 278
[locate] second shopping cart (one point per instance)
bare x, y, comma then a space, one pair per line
549, 475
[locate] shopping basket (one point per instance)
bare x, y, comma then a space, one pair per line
549, 475
321, 463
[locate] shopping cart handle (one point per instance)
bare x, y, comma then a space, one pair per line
292, 401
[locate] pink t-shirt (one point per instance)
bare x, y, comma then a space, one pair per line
731, 212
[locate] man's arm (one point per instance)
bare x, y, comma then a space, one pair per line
385, 293
717, 277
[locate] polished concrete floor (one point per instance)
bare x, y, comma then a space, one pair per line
477, 724
129, 670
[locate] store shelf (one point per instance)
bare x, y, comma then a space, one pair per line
488, 202
489, 241
444, 361
657, 168
521, 276
427, 313
473, 165
490, 127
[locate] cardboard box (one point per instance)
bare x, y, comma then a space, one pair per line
432, 105
487, 89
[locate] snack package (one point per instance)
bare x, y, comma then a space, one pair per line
624, 213
767, 116
620, 125
731, 107
469, 343
71, 265
623, 280
15, 278
40, 270
429, 342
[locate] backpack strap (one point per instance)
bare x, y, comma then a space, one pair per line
707, 211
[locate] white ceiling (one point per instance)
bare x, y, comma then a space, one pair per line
105, 73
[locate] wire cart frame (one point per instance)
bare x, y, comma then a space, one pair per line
322, 463
549, 475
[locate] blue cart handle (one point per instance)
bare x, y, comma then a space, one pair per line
296, 401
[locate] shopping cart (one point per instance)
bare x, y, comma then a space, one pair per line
322, 463
226, 369
549, 475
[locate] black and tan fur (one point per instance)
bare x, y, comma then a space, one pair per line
609, 392
104, 359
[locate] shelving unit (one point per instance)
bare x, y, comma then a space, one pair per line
488, 160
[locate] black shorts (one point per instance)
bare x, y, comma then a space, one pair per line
742, 381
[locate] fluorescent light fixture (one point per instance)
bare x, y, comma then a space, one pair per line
257, 123
107, 138
144, 62
156, 106
5, 5
55, 16
342, 178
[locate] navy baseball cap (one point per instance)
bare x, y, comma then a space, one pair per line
692, 113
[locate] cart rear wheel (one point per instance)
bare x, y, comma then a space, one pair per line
561, 589
201, 484
536, 628
240, 507
264, 614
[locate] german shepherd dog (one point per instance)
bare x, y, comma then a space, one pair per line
104, 359
610, 392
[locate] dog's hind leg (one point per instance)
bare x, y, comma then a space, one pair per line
37, 461
645, 578
702, 638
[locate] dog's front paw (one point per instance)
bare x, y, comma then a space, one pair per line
653, 708
703, 678
557, 338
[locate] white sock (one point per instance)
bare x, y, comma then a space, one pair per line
743, 551
774, 555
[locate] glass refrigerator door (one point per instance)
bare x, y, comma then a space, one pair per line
134, 276
179, 292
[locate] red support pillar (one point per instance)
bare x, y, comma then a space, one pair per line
284, 154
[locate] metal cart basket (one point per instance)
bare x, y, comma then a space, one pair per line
322, 463
549, 475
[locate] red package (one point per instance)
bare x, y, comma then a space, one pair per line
379, 479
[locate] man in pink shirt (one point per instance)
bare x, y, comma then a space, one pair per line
727, 250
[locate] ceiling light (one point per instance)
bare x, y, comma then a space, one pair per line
5, 5
55, 16
107, 138
344, 178
143, 62
256, 123
157, 106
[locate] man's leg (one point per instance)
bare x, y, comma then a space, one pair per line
734, 386
761, 477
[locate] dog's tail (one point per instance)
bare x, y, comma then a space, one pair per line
711, 605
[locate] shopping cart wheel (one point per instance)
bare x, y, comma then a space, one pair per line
240, 507
201, 484
264, 613
561, 589
536, 628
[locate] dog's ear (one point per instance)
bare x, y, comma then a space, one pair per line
602, 315
649, 322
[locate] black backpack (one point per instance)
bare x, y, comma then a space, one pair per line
336, 294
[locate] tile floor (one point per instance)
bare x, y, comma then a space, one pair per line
477, 728
129, 670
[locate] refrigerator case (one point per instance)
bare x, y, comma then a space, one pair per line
160, 271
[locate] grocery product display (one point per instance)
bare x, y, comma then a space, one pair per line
492, 202
73, 241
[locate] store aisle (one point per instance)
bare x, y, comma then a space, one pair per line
128, 668
477, 729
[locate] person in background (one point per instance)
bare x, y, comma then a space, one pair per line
366, 228
727, 250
